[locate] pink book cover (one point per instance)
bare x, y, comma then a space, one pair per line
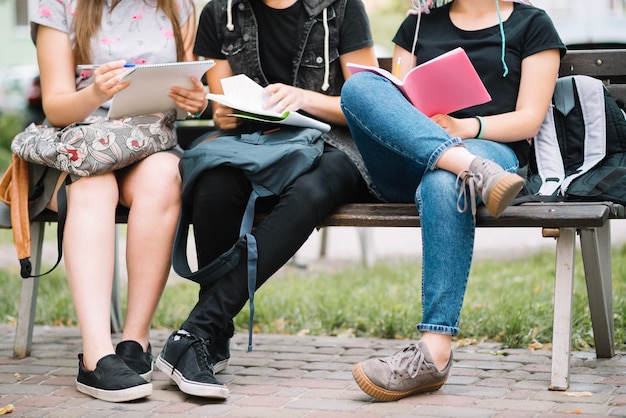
444, 84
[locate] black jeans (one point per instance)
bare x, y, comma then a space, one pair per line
220, 199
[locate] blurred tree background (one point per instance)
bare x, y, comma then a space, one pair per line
10, 125
385, 18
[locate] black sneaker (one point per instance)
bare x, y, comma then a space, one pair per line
186, 360
111, 381
138, 360
220, 354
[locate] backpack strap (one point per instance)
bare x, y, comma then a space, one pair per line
25, 264
212, 272
591, 97
253, 256
548, 156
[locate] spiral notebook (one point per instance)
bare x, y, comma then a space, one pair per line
150, 85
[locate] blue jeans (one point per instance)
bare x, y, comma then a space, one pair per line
400, 147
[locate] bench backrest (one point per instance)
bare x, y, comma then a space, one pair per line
608, 65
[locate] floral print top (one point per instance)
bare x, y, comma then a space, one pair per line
135, 31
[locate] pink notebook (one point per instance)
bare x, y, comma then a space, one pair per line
444, 84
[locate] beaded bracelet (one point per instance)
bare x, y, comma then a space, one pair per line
481, 129
198, 114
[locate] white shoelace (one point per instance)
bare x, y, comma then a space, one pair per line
467, 180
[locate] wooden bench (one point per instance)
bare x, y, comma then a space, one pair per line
561, 221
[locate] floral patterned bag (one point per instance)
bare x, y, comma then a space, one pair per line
97, 145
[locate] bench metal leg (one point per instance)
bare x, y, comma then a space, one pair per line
563, 293
323, 242
116, 301
596, 251
368, 255
28, 295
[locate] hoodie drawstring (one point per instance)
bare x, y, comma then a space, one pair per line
325, 85
229, 16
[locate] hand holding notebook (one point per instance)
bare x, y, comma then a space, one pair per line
246, 97
150, 85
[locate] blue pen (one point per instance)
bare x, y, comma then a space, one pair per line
93, 67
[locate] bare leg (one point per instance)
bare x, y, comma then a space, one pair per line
89, 255
455, 160
439, 348
151, 189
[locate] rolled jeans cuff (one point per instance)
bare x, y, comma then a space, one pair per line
434, 157
438, 329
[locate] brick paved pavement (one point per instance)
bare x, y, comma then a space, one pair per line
294, 376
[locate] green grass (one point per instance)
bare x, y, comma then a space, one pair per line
507, 302
10, 125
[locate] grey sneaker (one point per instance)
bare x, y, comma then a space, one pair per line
408, 372
495, 187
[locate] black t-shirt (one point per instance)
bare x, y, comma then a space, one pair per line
528, 30
280, 31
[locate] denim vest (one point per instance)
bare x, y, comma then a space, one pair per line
238, 34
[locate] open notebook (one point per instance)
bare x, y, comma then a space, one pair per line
246, 97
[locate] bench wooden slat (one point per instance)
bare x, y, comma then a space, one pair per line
601, 63
605, 64
551, 215
533, 214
